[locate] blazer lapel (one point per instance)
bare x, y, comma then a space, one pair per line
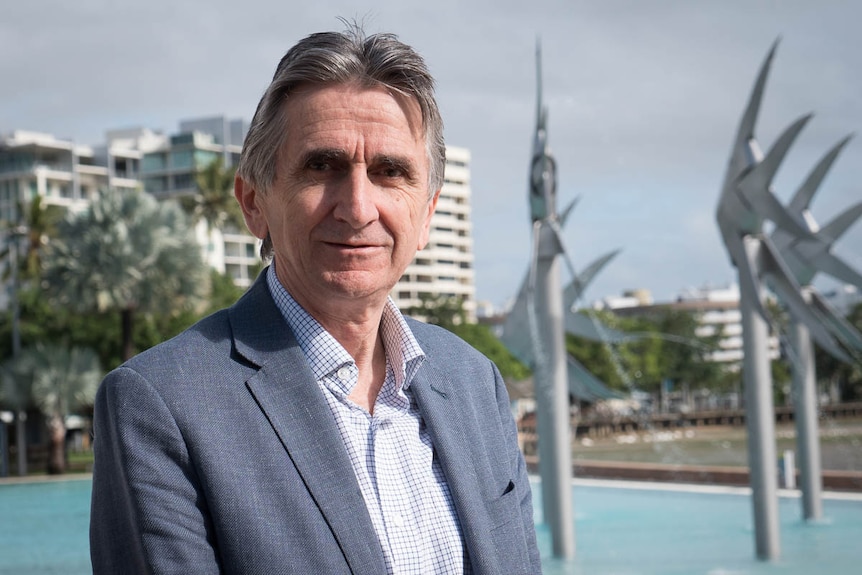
453, 430
286, 392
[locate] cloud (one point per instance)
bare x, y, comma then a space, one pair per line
644, 99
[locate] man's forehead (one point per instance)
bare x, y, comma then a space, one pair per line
323, 117
318, 97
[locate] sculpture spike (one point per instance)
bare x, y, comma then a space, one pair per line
802, 198
840, 224
787, 289
564, 215
755, 185
579, 283
749, 118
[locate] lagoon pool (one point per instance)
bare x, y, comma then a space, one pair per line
622, 528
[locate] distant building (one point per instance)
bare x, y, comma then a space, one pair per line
61, 172
445, 267
68, 174
717, 311
630, 299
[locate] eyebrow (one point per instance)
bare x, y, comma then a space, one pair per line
339, 155
323, 154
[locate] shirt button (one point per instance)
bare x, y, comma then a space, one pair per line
398, 520
343, 373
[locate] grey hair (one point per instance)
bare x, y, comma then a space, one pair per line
340, 58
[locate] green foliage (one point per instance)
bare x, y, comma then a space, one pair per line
101, 331
445, 311
58, 381
664, 346
213, 200
61, 380
129, 253
480, 337
847, 376
39, 224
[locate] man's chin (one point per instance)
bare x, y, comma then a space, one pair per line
356, 284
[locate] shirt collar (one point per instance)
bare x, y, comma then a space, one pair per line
325, 355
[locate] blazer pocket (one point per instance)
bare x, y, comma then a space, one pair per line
504, 507
510, 487
507, 532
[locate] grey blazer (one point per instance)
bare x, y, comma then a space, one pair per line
215, 452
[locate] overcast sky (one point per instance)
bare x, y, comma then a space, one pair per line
644, 99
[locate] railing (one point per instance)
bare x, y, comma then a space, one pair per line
606, 427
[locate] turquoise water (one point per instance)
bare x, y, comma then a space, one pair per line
627, 531
43, 529
620, 530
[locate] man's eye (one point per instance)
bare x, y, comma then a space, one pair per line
392, 172
318, 166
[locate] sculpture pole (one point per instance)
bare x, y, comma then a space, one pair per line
547, 328
759, 417
552, 399
805, 416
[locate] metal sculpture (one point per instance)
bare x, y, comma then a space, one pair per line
746, 202
545, 326
806, 258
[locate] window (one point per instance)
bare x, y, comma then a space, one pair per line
184, 181
181, 159
204, 158
153, 162
155, 185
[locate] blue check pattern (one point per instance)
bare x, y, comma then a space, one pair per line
393, 458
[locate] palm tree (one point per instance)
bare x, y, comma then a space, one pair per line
38, 226
213, 201
61, 381
126, 252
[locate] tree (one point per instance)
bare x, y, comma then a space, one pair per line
59, 381
685, 357
845, 377
664, 346
38, 226
445, 311
126, 253
213, 201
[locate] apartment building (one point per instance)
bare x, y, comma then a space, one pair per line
445, 268
36, 164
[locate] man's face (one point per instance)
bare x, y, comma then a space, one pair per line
350, 205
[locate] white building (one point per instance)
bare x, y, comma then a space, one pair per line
35, 164
445, 267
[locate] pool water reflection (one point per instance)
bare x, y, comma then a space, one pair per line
654, 529
621, 528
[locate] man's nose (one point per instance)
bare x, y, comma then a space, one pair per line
355, 200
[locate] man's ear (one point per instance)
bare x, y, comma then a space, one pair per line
253, 206
426, 227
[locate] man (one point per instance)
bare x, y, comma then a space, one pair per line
310, 428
